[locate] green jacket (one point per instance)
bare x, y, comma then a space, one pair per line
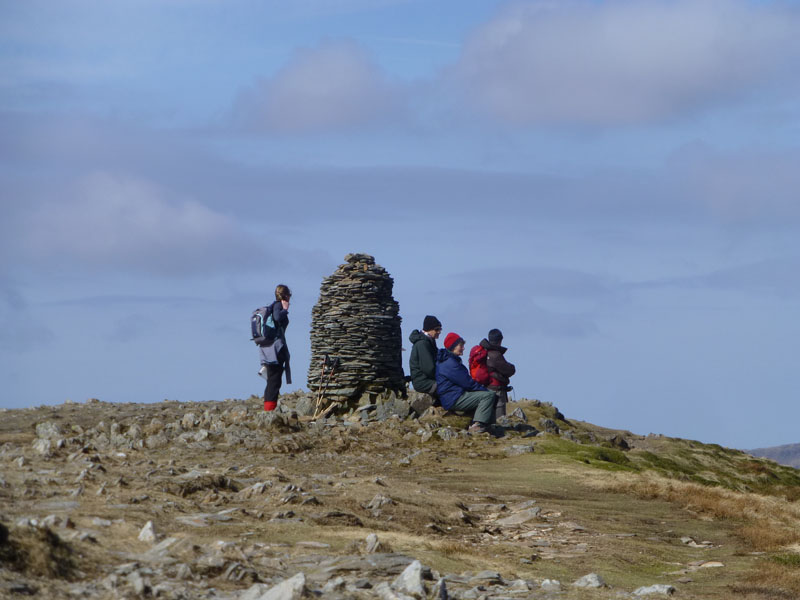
422, 363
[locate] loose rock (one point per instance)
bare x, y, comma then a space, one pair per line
657, 589
148, 533
592, 580
410, 581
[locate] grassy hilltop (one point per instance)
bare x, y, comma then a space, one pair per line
710, 521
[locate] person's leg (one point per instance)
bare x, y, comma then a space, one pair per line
502, 400
262, 357
271, 392
434, 393
481, 402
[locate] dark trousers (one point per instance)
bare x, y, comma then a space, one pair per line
274, 377
502, 400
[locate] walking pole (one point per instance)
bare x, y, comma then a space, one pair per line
331, 374
319, 388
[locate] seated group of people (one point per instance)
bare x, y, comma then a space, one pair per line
441, 373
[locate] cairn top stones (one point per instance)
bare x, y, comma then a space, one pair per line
356, 320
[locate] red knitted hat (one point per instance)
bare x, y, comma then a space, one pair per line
452, 340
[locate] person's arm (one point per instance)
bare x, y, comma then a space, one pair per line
280, 314
505, 368
498, 364
458, 374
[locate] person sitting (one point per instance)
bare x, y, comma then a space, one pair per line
500, 370
422, 362
457, 390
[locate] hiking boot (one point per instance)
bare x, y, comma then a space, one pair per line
262, 372
478, 428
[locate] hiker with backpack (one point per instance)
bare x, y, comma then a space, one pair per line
268, 325
498, 370
422, 362
457, 390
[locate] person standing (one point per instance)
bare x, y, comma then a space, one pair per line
500, 370
457, 390
275, 356
422, 362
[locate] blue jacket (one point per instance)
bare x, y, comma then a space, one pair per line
452, 378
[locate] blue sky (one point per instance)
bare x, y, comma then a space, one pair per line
611, 183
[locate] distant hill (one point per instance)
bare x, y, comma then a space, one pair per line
788, 455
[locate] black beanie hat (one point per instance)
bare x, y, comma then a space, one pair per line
495, 336
430, 322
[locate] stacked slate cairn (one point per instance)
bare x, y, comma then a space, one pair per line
356, 321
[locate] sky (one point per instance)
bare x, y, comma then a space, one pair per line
613, 184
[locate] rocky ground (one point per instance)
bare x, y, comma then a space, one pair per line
393, 500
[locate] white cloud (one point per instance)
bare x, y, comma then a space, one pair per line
120, 221
622, 61
331, 87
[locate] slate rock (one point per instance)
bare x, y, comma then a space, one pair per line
289, 589
148, 533
43, 446
189, 420
334, 585
385, 592
551, 585
439, 591
421, 403
410, 581
548, 425
519, 414
660, 589
446, 433
518, 449
156, 441
392, 407
519, 518
619, 442
592, 580
486, 578
48, 431
305, 406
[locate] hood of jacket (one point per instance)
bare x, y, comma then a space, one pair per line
443, 354
493, 347
416, 336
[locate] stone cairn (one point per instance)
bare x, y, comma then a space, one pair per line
356, 321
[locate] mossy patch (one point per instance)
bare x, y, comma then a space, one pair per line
787, 560
596, 456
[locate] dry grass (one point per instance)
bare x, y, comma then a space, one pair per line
451, 549
768, 523
767, 536
775, 580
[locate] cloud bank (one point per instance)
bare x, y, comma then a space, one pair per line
622, 62
572, 62
118, 221
331, 87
